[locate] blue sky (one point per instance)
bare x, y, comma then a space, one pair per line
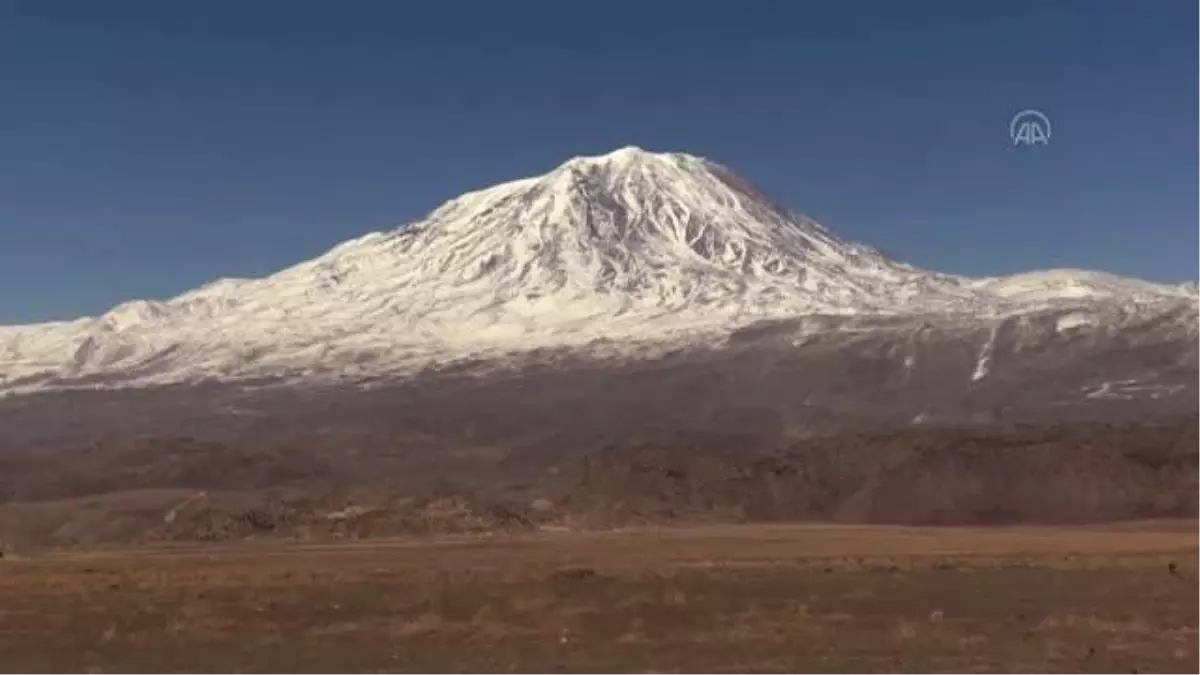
148, 147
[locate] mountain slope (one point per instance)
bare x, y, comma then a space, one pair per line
633, 247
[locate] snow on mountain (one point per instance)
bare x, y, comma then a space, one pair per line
632, 246
1051, 285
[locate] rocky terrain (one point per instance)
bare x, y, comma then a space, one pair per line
185, 490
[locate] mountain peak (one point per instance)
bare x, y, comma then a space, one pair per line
628, 151
625, 156
624, 152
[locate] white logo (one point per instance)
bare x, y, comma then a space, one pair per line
1029, 127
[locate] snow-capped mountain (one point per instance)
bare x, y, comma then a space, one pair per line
628, 249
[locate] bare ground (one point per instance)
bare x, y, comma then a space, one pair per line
714, 598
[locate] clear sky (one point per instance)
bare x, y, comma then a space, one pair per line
148, 147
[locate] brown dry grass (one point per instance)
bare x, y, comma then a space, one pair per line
751, 598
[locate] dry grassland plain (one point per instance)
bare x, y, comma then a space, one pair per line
731, 598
